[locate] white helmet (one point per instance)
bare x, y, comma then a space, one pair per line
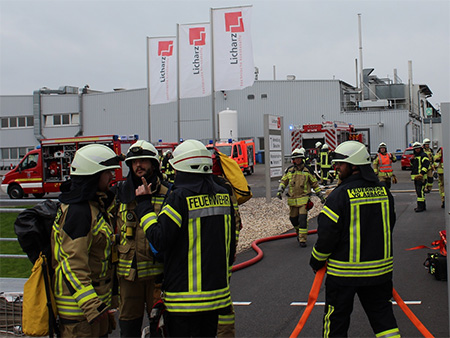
94, 158
142, 149
426, 141
352, 152
382, 145
297, 153
318, 144
417, 145
191, 156
325, 147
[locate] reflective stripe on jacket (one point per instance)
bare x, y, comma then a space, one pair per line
325, 161
133, 245
83, 274
197, 234
355, 233
300, 182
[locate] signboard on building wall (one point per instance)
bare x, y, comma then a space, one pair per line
274, 150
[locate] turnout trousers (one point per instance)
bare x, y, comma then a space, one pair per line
197, 324
375, 299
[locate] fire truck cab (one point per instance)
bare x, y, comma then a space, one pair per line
243, 152
42, 170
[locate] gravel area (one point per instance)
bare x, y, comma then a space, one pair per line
261, 219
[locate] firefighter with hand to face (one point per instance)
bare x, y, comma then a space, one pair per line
419, 168
355, 240
299, 182
82, 242
196, 232
382, 165
139, 271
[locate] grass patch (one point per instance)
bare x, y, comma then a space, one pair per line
12, 267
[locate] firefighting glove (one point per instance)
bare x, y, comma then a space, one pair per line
322, 198
418, 177
279, 195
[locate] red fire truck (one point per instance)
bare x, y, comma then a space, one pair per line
43, 170
243, 152
331, 133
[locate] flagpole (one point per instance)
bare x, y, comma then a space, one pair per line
148, 92
213, 87
178, 85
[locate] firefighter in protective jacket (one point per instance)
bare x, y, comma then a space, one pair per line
325, 165
439, 164
139, 272
355, 238
382, 165
430, 153
299, 181
419, 168
82, 242
196, 232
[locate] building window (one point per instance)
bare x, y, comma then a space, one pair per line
251, 97
16, 122
5, 153
264, 96
62, 119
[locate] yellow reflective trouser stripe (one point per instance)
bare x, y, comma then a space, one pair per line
327, 322
393, 333
226, 319
172, 214
320, 256
330, 213
302, 230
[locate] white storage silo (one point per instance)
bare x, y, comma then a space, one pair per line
228, 125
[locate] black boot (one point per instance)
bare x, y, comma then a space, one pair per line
443, 204
420, 207
130, 328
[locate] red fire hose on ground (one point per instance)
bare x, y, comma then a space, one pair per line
313, 294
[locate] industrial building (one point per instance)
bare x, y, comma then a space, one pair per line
386, 110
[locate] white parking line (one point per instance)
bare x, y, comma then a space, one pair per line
242, 303
407, 302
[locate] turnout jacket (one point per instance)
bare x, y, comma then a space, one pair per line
300, 182
136, 259
355, 233
82, 242
196, 232
419, 164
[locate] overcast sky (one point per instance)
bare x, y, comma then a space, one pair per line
103, 43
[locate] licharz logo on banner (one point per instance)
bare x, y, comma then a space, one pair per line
165, 49
234, 24
197, 37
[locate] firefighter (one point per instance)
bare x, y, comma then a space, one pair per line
439, 164
325, 165
300, 181
139, 272
430, 153
382, 165
196, 232
419, 168
167, 168
355, 238
82, 242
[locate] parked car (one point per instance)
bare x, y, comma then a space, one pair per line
406, 157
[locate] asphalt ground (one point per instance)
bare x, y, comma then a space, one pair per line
264, 292
267, 289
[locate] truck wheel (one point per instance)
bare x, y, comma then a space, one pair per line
15, 192
38, 195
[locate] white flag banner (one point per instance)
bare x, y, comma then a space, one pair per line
194, 48
232, 48
162, 70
